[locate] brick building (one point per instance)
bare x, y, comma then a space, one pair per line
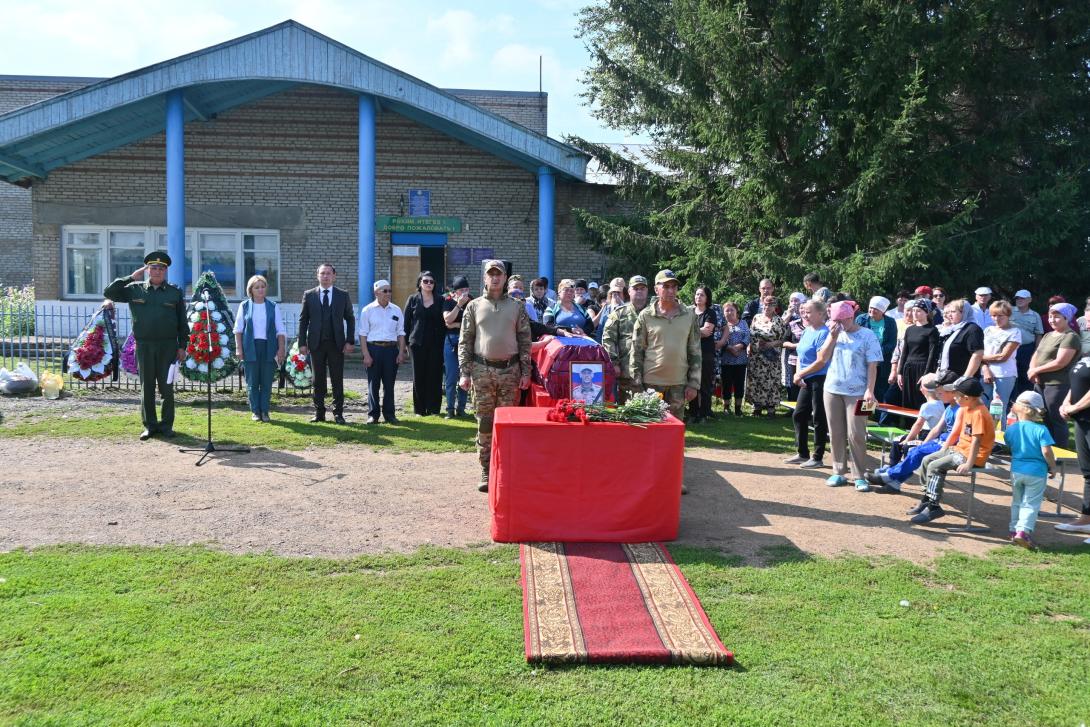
273, 153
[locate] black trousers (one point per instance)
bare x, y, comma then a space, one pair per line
428, 378
734, 382
1082, 448
810, 406
701, 406
328, 357
381, 372
1054, 395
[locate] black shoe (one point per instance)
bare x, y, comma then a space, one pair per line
931, 512
393, 420
339, 419
874, 479
372, 421
145, 435
449, 415
168, 433
317, 418
920, 507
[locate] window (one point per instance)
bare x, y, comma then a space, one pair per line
93, 256
83, 263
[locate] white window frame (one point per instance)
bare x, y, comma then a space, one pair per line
151, 243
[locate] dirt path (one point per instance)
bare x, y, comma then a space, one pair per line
346, 500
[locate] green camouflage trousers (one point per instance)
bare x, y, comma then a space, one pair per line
491, 388
675, 398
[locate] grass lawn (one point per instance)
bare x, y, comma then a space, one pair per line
293, 431
191, 636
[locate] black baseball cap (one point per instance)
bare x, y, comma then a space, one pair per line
969, 387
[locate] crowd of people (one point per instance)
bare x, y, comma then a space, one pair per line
963, 365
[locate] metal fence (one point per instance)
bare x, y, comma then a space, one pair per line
42, 337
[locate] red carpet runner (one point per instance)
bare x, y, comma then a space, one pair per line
612, 602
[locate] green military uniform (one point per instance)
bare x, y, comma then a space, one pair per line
617, 340
160, 328
494, 349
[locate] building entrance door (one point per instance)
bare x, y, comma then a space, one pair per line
403, 271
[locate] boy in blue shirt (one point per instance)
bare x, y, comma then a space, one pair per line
1032, 462
890, 479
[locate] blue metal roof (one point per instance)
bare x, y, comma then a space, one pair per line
106, 115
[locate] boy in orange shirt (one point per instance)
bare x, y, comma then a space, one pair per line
969, 445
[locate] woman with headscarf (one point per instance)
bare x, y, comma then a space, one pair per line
885, 330
426, 331
853, 354
962, 340
1051, 365
789, 359
767, 332
919, 353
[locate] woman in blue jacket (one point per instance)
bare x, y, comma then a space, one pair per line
261, 340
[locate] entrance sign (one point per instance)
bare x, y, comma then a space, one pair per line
389, 223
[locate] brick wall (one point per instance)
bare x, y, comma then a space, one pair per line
289, 162
15, 221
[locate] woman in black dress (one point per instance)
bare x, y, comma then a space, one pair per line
919, 353
426, 329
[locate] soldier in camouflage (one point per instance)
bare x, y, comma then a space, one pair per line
493, 355
617, 336
666, 346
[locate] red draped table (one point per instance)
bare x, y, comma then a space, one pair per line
599, 482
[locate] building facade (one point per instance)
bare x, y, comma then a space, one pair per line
275, 177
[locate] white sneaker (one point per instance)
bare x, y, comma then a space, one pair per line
794, 460
1086, 542
812, 464
1073, 527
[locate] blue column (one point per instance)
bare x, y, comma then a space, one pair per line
366, 244
175, 129
546, 222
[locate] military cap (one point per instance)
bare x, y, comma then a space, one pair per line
494, 265
665, 276
159, 257
637, 280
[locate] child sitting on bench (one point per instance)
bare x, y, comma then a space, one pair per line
890, 479
1031, 462
969, 445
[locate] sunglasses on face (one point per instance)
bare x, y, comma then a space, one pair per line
427, 282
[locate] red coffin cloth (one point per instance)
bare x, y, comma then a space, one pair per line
553, 356
598, 482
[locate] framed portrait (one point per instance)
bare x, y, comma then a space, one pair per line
586, 382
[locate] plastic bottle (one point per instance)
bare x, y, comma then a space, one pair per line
996, 410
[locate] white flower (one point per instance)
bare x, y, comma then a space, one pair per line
194, 317
220, 328
224, 339
218, 363
190, 363
203, 368
217, 316
211, 305
198, 306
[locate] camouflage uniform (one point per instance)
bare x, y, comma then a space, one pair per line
495, 383
617, 340
651, 336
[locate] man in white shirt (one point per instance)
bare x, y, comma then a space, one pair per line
981, 316
381, 331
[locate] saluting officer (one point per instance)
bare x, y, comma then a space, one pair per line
159, 326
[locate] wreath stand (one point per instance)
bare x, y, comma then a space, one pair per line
210, 445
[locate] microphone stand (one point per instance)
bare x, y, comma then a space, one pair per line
210, 446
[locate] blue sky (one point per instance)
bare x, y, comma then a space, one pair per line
452, 44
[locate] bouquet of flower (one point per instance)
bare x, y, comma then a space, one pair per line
210, 353
93, 355
128, 357
297, 368
644, 408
